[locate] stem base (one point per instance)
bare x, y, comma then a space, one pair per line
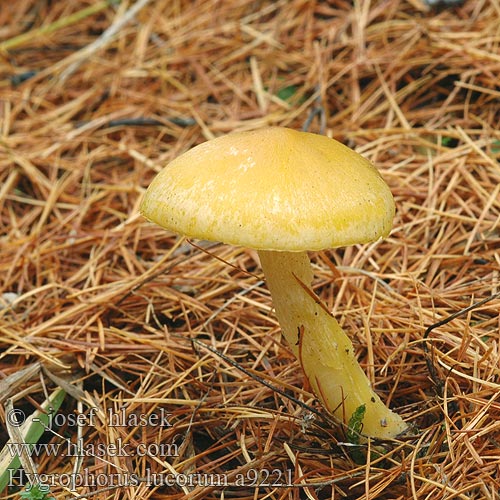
324, 350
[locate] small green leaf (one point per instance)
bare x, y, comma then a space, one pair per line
36, 492
354, 428
446, 141
286, 93
355, 425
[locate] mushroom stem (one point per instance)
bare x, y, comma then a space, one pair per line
323, 348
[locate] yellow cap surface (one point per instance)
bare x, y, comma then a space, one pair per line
272, 189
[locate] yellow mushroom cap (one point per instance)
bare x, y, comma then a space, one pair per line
272, 189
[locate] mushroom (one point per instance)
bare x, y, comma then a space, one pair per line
284, 192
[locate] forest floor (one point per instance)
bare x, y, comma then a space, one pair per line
149, 362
